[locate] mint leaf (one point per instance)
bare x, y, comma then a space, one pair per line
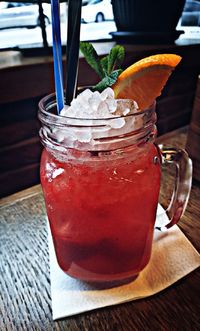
107, 67
92, 58
104, 64
115, 58
107, 81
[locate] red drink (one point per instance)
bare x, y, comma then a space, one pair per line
102, 211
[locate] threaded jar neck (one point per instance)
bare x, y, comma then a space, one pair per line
61, 133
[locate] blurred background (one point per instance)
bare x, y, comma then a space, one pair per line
24, 19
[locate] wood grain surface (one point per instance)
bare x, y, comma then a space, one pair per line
25, 298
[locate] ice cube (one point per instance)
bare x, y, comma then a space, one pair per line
86, 94
84, 135
103, 110
94, 101
135, 105
117, 123
107, 93
74, 102
96, 94
64, 111
58, 135
57, 172
126, 111
112, 105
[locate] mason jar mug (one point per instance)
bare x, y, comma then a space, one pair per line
101, 183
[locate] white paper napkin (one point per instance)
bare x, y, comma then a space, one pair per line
173, 257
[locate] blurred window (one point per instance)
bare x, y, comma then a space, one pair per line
191, 13
21, 25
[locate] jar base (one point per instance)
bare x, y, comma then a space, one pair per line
101, 285
106, 280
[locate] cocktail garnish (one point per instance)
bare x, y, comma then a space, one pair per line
107, 68
142, 82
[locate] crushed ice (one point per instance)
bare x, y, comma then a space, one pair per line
92, 105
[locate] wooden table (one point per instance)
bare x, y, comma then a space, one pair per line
25, 300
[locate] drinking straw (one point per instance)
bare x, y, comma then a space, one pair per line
57, 54
73, 40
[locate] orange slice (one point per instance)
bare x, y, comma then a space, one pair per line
144, 80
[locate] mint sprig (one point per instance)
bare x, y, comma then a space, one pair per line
92, 58
115, 58
104, 64
108, 81
108, 67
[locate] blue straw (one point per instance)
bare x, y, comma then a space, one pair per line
57, 54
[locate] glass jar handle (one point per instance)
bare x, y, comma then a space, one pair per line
183, 182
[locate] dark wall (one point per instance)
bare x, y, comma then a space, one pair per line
22, 87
